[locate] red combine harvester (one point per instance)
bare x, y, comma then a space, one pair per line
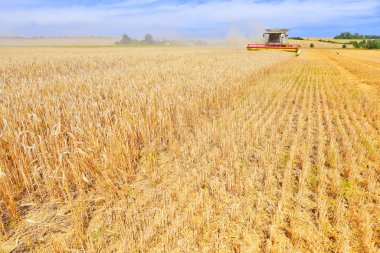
275, 39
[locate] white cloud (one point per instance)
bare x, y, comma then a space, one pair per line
213, 18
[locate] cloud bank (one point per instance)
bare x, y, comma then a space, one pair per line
197, 19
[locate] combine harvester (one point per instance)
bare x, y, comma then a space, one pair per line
275, 39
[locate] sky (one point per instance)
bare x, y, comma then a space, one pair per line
187, 18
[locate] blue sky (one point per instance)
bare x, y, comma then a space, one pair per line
185, 18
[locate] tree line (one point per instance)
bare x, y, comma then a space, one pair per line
148, 40
355, 36
369, 44
367, 41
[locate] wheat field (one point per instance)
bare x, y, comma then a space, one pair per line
189, 150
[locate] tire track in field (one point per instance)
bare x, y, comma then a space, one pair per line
279, 230
273, 166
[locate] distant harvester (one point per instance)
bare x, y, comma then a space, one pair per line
275, 39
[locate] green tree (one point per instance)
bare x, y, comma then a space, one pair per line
312, 45
373, 44
126, 39
148, 39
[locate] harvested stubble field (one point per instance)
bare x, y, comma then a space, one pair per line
187, 150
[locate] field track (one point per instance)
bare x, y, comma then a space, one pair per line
290, 164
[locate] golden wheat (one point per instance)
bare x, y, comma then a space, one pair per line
128, 150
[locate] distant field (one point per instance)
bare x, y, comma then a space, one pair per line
345, 41
189, 150
364, 64
318, 44
74, 41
